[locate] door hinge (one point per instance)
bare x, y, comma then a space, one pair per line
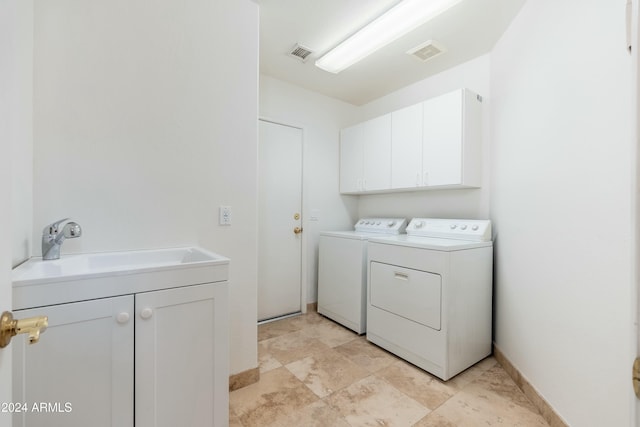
635, 375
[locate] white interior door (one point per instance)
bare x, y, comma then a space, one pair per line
633, 21
5, 274
280, 220
12, 14
5, 285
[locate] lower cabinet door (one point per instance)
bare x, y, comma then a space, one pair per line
181, 376
80, 373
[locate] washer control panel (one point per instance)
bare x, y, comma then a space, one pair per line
381, 225
477, 230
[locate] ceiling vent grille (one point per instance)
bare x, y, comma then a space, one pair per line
427, 50
300, 52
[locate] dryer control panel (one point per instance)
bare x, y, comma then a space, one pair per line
381, 225
476, 230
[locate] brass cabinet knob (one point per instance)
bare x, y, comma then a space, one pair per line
297, 230
10, 327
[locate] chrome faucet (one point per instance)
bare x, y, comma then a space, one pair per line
52, 239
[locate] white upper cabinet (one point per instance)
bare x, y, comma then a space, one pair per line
377, 154
406, 147
451, 140
351, 161
365, 156
431, 145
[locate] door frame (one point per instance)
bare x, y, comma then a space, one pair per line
304, 279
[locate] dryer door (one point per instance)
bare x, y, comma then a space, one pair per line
412, 294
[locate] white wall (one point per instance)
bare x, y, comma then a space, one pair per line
474, 203
144, 123
562, 163
321, 119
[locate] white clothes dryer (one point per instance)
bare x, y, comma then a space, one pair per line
342, 270
430, 294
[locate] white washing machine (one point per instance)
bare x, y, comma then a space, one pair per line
342, 270
430, 294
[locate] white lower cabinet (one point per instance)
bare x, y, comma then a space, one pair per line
181, 363
81, 370
156, 358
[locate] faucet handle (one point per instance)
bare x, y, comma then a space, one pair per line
71, 230
53, 227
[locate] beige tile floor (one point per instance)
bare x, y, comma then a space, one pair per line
314, 372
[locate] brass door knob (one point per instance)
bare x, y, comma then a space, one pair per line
297, 230
10, 327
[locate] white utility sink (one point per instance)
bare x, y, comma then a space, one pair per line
99, 275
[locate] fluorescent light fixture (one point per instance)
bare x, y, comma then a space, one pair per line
393, 24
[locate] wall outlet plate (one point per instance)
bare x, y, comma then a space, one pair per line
224, 215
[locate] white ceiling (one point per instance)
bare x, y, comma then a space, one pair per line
469, 29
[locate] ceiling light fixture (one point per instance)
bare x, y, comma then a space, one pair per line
393, 24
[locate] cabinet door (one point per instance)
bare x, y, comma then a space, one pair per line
406, 147
81, 370
182, 376
351, 161
376, 137
442, 140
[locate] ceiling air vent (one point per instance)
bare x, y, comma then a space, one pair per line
427, 50
300, 52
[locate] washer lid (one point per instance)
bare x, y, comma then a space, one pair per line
432, 243
356, 235
368, 227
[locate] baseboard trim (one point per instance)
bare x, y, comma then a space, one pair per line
547, 412
312, 307
243, 379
